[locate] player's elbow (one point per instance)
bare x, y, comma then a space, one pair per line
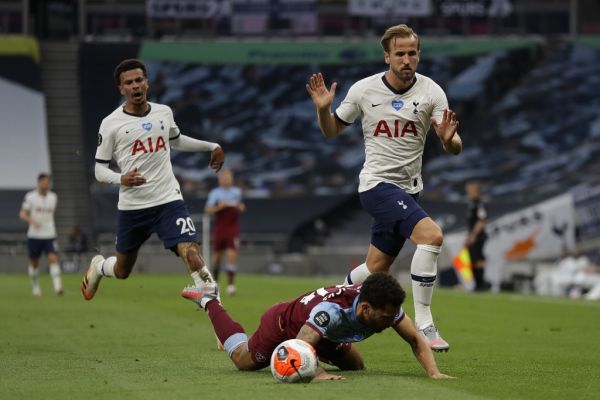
98, 172
356, 365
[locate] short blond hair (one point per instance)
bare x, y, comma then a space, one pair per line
403, 31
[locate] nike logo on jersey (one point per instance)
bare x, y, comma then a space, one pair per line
375, 105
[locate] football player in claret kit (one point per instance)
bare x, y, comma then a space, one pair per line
396, 108
330, 319
38, 211
139, 136
225, 203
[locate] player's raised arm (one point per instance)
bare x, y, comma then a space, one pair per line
323, 99
446, 130
406, 329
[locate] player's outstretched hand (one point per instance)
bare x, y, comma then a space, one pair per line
132, 178
323, 375
447, 127
217, 158
320, 95
439, 375
329, 377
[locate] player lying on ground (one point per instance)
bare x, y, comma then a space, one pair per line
330, 319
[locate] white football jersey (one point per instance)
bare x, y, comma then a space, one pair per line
41, 210
395, 126
141, 142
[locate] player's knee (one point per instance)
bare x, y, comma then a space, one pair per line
435, 237
242, 360
357, 366
353, 365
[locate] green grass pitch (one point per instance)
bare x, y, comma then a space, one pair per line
138, 340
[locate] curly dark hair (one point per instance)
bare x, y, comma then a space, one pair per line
128, 65
381, 289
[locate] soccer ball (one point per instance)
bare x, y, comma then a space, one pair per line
294, 361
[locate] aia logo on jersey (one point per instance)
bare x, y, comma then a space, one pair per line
148, 147
383, 128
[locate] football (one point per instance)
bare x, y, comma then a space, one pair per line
294, 361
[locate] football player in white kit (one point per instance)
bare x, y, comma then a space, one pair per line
397, 108
139, 136
38, 211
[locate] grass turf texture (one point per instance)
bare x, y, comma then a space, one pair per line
138, 340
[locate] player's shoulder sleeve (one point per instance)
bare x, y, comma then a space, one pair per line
174, 131
439, 101
324, 316
27, 201
238, 193
213, 197
350, 109
106, 139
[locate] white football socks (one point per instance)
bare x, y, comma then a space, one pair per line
107, 267
423, 269
35, 279
56, 280
202, 276
357, 275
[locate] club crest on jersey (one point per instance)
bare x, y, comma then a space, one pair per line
147, 126
397, 104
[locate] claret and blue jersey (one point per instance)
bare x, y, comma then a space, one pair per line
332, 313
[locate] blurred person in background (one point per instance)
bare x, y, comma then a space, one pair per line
397, 108
77, 241
476, 237
556, 281
225, 204
38, 211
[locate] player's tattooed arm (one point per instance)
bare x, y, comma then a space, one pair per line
406, 329
311, 336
